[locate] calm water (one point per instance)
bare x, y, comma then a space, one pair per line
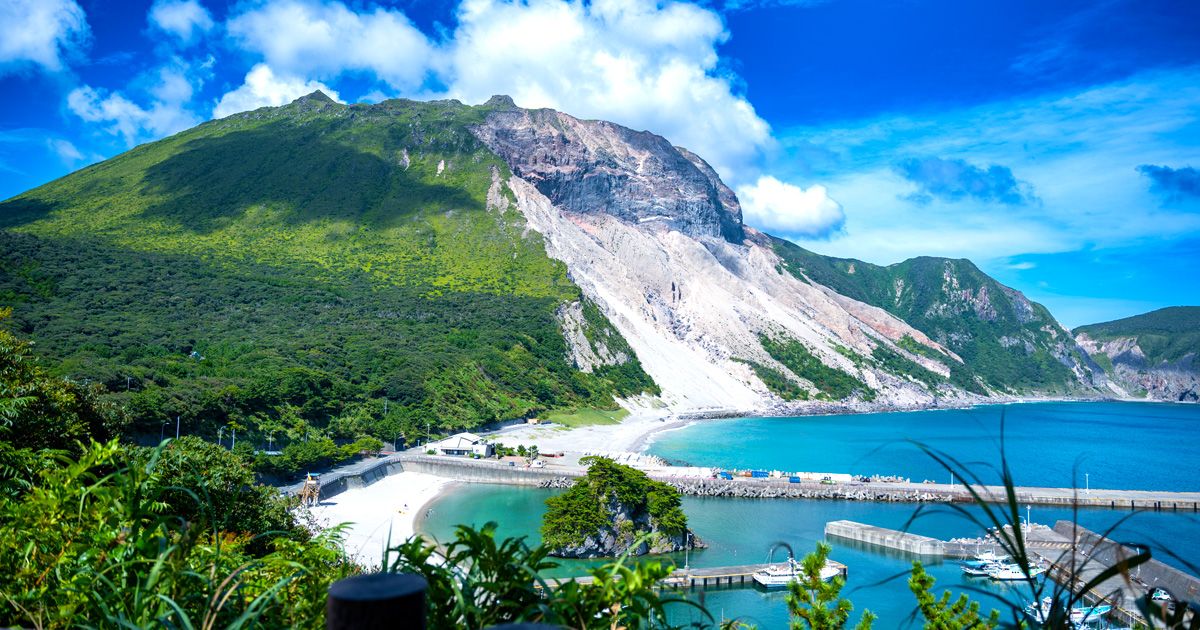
740, 531
1136, 446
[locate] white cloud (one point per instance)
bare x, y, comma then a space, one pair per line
168, 112
262, 88
1090, 191
184, 19
632, 62
778, 206
40, 32
65, 150
322, 40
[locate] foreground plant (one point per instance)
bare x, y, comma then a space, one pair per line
477, 581
818, 605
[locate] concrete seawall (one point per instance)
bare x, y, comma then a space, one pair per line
483, 471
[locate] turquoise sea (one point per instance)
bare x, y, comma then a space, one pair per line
740, 531
1129, 446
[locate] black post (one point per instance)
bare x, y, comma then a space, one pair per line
376, 600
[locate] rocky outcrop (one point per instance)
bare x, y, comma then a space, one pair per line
630, 531
1136, 376
593, 166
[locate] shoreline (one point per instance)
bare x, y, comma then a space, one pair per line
387, 510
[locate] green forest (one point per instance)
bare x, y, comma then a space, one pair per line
1003, 345
339, 274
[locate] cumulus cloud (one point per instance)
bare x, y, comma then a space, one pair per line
1175, 184
952, 180
40, 32
170, 89
781, 207
633, 62
262, 88
322, 40
185, 19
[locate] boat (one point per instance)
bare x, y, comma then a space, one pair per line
781, 574
1012, 572
972, 569
987, 557
1079, 615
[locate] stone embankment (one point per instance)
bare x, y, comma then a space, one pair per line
769, 490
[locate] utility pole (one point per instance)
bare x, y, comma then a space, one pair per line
220, 432
686, 548
176, 427
234, 442
1087, 483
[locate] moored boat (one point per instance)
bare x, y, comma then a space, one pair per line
781, 574
1013, 572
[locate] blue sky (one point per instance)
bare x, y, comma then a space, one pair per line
1056, 144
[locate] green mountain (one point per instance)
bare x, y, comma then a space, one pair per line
1007, 343
1153, 354
319, 261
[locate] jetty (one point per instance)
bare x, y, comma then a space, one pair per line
734, 576
1074, 555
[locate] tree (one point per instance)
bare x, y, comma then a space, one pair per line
940, 614
40, 411
533, 452
816, 604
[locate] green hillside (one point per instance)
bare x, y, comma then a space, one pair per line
1165, 335
338, 259
1003, 338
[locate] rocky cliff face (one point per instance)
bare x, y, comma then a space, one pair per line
592, 166
1135, 375
654, 239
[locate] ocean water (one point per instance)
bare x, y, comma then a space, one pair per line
741, 531
1131, 446
1121, 445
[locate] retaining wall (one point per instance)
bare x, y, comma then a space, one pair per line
888, 538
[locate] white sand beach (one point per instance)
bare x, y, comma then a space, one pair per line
386, 507
627, 435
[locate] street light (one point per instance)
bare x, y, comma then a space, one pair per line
1087, 483
1028, 518
162, 432
687, 547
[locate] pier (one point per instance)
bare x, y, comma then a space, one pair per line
1073, 555
704, 577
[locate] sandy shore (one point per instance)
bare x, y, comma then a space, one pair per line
388, 507
628, 435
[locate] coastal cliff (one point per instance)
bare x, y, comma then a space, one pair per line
1152, 356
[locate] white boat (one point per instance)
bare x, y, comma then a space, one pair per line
973, 569
781, 574
1080, 615
989, 556
1012, 572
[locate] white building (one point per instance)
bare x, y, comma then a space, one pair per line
463, 444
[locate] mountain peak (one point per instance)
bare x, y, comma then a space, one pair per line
317, 96
501, 101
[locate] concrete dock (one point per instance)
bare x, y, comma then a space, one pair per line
705, 577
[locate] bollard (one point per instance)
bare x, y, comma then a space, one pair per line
376, 600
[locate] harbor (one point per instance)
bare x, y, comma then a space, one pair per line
1069, 554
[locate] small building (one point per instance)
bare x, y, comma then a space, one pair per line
463, 445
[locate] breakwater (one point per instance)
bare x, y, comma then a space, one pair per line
482, 471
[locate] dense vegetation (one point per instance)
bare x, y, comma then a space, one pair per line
584, 509
339, 265
1006, 343
831, 383
1165, 335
